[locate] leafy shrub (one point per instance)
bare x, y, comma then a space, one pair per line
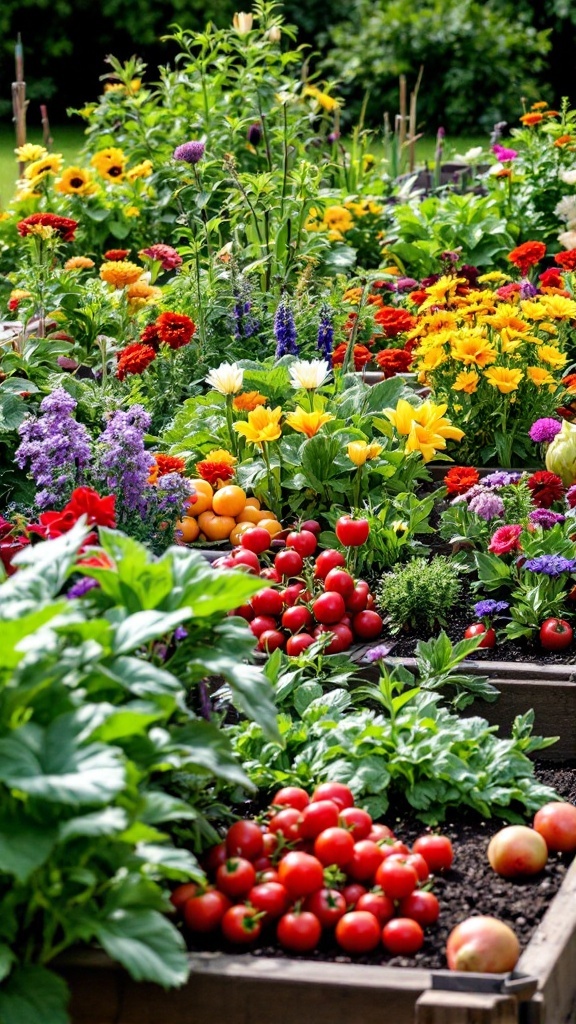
420, 593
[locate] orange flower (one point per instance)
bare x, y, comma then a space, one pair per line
531, 119
164, 464
79, 263
563, 140
527, 255
121, 273
248, 401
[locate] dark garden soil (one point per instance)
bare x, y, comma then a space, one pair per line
469, 887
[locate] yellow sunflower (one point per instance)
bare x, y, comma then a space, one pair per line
39, 169
75, 181
142, 170
110, 163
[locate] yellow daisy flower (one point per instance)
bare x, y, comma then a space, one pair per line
263, 425
504, 379
467, 381
75, 181
549, 354
39, 169
359, 452
308, 423
29, 151
539, 376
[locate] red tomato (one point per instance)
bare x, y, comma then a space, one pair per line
287, 822
270, 640
311, 525
182, 893
378, 904
555, 634
291, 594
296, 618
262, 864
299, 931
357, 821
340, 582
215, 856
380, 832
342, 637
241, 556
396, 879
416, 860
270, 841
402, 936
556, 823
317, 816
270, 875
300, 874
244, 611
328, 905
270, 574
356, 602
270, 897
367, 625
203, 913
352, 532
421, 906
241, 924
477, 629
291, 796
329, 608
288, 563
261, 624
326, 561
358, 932
436, 850
236, 877
390, 847
304, 543
337, 792
352, 894
268, 601
366, 860
256, 540
244, 839
296, 645
334, 846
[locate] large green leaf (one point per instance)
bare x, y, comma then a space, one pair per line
146, 944
205, 746
142, 627
108, 822
24, 844
142, 678
16, 630
34, 995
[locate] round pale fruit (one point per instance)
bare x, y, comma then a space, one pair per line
517, 850
482, 944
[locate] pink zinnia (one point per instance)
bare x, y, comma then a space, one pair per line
505, 540
165, 255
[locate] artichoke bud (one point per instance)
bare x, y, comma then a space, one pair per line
561, 454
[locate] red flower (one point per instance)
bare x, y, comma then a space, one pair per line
175, 329
552, 278
115, 255
418, 297
394, 360
169, 464
165, 254
569, 382
546, 488
508, 291
98, 561
53, 524
151, 337
505, 540
566, 260
134, 359
527, 255
394, 321
65, 227
362, 355
86, 502
459, 479
214, 471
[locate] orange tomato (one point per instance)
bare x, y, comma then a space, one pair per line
187, 530
268, 514
272, 525
253, 503
238, 530
204, 494
219, 527
249, 515
204, 518
229, 501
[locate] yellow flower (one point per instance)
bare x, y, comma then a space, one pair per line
359, 452
142, 170
131, 211
120, 273
473, 349
504, 379
142, 294
548, 328
263, 425
75, 181
39, 169
328, 103
109, 163
511, 340
79, 263
4, 215
432, 359
539, 376
88, 110
308, 423
114, 87
338, 219
442, 292
467, 381
29, 151
443, 320
249, 400
221, 455
549, 354
422, 439
533, 309
352, 295
506, 316
426, 427
494, 276
17, 294
558, 307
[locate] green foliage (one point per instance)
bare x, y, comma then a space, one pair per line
420, 593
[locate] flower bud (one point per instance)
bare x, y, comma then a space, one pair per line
561, 454
274, 34
242, 22
255, 134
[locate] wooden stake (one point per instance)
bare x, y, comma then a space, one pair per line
46, 137
402, 133
412, 126
19, 103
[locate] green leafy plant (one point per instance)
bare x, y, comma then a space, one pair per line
420, 593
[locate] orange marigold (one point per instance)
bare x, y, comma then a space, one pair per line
527, 255
214, 471
134, 359
394, 321
164, 464
79, 263
566, 260
121, 273
563, 140
175, 329
249, 400
114, 255
531, 119
362, 355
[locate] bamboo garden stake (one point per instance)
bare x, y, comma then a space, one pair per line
19, 103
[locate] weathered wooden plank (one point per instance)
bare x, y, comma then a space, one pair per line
435, 1007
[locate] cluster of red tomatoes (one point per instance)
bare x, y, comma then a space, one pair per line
319, 864
323, 596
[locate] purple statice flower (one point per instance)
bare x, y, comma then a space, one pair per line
550, 565
123, 464
377, 653
473, 492
500, 479
56, 447
325, 337
544, 430
488, 506
490, 607
190, 152
406, 284
254, 134
285, 331
503, 154
527, 290
545, 518
82, 587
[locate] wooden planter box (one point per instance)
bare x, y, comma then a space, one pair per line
242, 989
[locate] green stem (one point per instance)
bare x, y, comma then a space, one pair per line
272, 490
230, 421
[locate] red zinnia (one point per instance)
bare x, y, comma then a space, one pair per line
394, 321
566, 260
505, 540
169, 464
552, 278
460, 479
394, 360
175, 329
65, 227
418, 297
115, 255
527, 255
86, 502
362, 355
546, 488
151, 337
134, 359
214, 471
165, 254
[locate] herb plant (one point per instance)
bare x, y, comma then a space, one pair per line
421, 593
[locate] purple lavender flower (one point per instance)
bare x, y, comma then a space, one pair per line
190, 152
171, 491
490, 607
180, 633
544, 430
488, 506
500, 479
244, 323
550, 565
56, 447
333, 137
325, 336
82, 587
285, 331
123, 464
503, 154
545, 518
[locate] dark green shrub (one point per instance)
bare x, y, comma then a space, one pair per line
420, 593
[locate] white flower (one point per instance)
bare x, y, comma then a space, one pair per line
496, 168
274, 34
568, 239
226, 378
568, 177
566, 208
473, 154
309, 375
242, 22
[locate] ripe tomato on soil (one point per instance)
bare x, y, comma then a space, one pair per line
477, 629
235, 877
556, 823
328, 905
299, 931
337, 792
436, 850
203, 913
358, 932
291, 796
241, 924
402, 936
317, 816
300, 874
556, 634
244, 839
